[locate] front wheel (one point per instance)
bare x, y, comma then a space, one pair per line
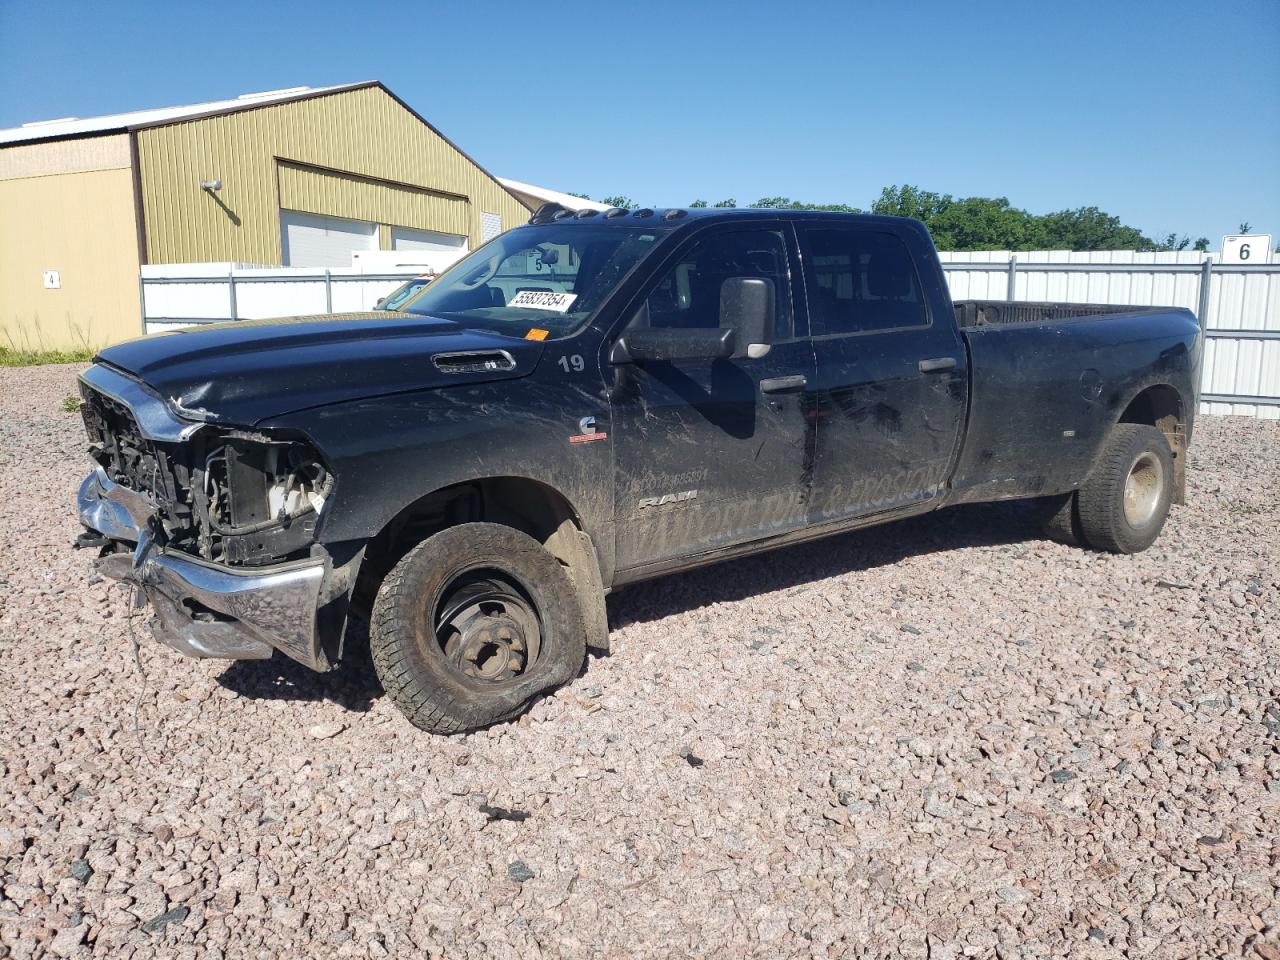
471, 625
1124, 503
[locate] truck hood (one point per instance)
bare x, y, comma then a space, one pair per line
246, 371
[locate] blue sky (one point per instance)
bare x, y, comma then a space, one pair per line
1166, 114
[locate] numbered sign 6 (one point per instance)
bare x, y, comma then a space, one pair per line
1247, 248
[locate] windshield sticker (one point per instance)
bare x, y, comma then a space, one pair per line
537, 333
543, 300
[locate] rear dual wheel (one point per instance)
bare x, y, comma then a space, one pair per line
472, 624
1123, 505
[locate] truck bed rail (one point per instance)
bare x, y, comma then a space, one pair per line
981, 313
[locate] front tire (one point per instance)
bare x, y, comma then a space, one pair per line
471, 625
1123, 505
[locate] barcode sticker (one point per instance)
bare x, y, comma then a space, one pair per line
543, 300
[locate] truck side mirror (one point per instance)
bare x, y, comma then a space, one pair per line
746, 307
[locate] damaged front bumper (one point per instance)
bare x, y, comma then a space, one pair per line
205, 609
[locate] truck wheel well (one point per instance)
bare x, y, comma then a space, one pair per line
1160, 406
526, 505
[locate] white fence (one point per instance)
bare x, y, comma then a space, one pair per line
176, 295
1238, 306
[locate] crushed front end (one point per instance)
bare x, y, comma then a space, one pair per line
215, 525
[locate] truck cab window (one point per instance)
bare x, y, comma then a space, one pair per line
688, 295
860, 281
553, 277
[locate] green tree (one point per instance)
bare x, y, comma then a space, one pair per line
909, 201
786, 203
1088, 228
986, 223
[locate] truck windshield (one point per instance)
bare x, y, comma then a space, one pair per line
402, 294
550, 277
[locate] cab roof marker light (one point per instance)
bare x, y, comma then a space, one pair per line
642, 213
585, 213
673, 214
562, 213
614, 212
547, 212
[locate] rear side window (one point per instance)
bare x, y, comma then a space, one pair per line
860, 281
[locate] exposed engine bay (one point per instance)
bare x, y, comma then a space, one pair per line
232, 496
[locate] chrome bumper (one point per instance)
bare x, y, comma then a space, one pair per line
205, 609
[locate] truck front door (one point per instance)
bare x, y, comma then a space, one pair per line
891, 387
711, 453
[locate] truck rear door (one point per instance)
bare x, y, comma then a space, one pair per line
891, 387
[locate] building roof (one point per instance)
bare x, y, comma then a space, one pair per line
536, 196
68, 127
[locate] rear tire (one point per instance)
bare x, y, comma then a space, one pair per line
471, 625
1060, 519
1124, 503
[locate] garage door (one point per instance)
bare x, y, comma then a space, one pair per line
311, 241
402, 238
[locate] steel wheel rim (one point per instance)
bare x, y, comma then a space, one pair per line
1143, 489
487, 630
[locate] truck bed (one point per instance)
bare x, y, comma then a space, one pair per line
1048, 381
984, 313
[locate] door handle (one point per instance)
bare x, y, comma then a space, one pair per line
783, 384
936, 364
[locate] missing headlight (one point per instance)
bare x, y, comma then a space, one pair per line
261, 498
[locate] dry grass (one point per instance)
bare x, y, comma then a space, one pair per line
35, 358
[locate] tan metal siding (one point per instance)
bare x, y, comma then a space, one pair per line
64, 156
342, 195
363, 132
80, 224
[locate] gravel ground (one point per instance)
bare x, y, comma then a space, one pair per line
940, 738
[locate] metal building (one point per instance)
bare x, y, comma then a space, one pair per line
298, 177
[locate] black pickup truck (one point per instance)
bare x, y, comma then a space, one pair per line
594, 399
